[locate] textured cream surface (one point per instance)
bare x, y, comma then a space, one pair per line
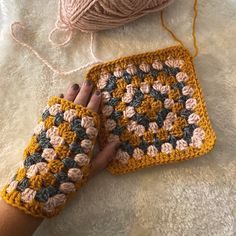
196, 197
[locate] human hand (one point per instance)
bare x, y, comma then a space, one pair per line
58, 159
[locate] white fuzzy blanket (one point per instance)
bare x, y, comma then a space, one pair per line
196, 197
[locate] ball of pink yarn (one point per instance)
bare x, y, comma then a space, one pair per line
96, 15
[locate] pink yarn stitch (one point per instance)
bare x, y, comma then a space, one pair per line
132, 125
105, 75
139, 130
174, 63
199, 132
87, 121
12, 186
49, 154
122, 157
144, 87
145, 67
165, 89
91, 132
157, 65
42, 167
182, 77
118, 72
102, 83
181, 145
130, 89
129, 112
56, 141
196, 142
153, 127
157, 85
127, 98
193, 118
191, 103
53, 131
82, 159
86, 144
168, 103
166, 148
110, 124
107, 110
39, 128
171, 116
69, 115
131, 69
53, 202
167, 124
67, 188
28, 195
75, 174
106, 96
32, 171
138, 153
152, 151
54, 109
187, 90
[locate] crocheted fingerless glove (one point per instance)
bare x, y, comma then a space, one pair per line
56, 161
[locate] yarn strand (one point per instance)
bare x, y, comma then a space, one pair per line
169, 30
194, 28
67, 40
194, 38
46, 62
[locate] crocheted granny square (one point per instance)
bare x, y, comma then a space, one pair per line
153, 104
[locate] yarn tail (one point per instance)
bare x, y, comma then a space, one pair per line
18, 25
196, 49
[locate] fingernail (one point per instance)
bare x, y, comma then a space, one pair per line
98, 92
75, 87
88, 82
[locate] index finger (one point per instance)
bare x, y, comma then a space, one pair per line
95, 101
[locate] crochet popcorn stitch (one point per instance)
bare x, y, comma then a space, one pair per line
153, 104
56, 162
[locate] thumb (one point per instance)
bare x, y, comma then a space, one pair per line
104, 157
